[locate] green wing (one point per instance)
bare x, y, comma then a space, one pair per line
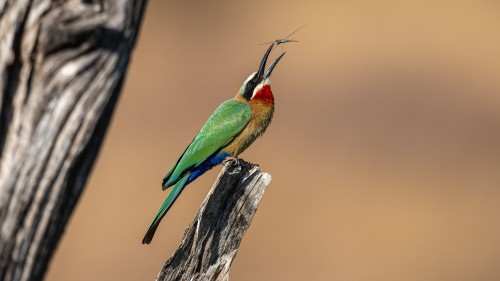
225, 123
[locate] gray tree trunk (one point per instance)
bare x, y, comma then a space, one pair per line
62, 66
212, 240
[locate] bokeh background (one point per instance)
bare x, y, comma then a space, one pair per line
384, 149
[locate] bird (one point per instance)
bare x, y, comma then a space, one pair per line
231, 129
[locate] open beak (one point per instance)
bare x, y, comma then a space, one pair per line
262, 73
271, 67
262, 66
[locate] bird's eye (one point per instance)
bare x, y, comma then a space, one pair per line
251, 83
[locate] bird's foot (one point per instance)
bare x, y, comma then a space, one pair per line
229, 159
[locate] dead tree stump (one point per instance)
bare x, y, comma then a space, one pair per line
212, 240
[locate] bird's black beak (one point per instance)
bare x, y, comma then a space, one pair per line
263, 73
262, 67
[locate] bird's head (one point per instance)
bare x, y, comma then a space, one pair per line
258, 84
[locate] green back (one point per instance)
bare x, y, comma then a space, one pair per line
224, 124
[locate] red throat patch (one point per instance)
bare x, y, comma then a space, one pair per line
264, 94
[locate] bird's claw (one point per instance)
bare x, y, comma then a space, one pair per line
229, 159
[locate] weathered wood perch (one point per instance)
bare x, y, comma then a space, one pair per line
212, 240
62, 66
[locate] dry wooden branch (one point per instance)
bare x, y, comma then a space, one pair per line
62, 66
212, 240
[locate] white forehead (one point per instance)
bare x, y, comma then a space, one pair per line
250, 77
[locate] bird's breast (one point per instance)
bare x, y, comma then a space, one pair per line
262, 114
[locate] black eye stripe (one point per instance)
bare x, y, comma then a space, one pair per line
249, 89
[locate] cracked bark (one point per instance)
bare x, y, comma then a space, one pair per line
62, 66
212, 240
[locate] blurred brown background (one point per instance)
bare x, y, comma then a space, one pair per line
384, 149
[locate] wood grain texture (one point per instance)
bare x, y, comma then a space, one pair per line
62, 66
212, 240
